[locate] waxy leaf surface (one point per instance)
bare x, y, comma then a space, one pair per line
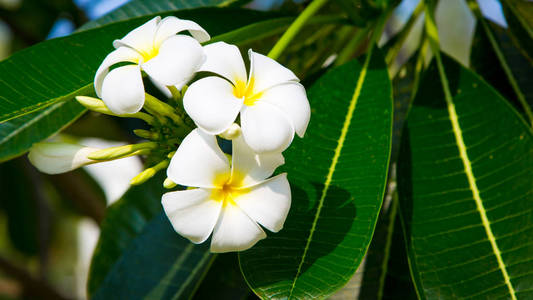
337, 173
464, 177
54, 72
139, 255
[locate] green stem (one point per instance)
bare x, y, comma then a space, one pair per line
174, 91
162, 108
295, 27
503, 62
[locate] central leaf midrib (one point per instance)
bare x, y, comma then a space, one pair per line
44, 104
461, 146
334, 161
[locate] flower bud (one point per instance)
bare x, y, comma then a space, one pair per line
169, 184
122, 151
233, 132
94, 104
98, 105
59, 157
147, 134
149, 173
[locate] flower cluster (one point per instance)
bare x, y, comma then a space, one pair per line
227, 197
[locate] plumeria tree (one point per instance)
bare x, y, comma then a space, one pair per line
327, 149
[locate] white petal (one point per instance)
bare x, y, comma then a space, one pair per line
211, 104
226, 61
235, 231
268, 203
120, 55
141, 38
56, 157
266, 128
171, 25
292, 100
268, 72
179, 57
198, 162
192, 213
123, 90
250, 168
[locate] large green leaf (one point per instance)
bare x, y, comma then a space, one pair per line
224, 279
20, 204
139, 255
124, 220
386, 272
17, 135
157, 264
59, 69
137, 8
338, 174
465, 170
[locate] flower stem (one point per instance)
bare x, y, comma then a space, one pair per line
295, 27
176, 95
162, 108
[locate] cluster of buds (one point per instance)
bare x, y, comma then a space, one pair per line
229, 197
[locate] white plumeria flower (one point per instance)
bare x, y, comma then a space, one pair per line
271, 102
168, 58
59, 157
228, 201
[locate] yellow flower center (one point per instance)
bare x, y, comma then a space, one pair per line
149, 53
246, 91
228, 188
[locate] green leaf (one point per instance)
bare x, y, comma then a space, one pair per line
465, 169
386, 272
224, 279
509, 71
137, 8
59, 69
124, 220
158, 264
20, 203
139, 255
17, 135
519, 16
338, 174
